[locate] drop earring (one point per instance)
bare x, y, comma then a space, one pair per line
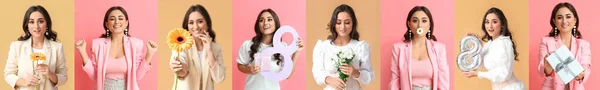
574, 29
555, 31
46, 32
107, 33
429, 34
409, 34
126, 31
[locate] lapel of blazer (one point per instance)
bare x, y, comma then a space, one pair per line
432, 53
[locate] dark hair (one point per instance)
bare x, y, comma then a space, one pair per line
204, 12
331, 26
407, 37
567, 5
37, 8
503, 30
256, 40
106, 20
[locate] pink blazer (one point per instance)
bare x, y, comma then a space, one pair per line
401, 59
134, 53
579, 47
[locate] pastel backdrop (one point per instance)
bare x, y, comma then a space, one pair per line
393, 26
61, 12
468, 18
319, 13
539, 26
292, 13
89, 15
171, 14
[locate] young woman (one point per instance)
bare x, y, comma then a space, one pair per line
564, 21
265, 27
499, 53
118, 60
344, 35
39, 37
419, 63
200, 67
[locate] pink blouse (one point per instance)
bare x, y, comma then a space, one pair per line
422, 72
117, 69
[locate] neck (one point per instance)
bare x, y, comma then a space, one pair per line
198, 43
37, 42
494, 37
342, 40
267, 39
419, 41
565, 35
117, 37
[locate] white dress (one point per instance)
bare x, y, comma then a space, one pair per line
257, 81
324, 66
498, 59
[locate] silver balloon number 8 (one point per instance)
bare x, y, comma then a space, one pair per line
469, 57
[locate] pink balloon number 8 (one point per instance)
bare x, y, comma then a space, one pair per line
285, 51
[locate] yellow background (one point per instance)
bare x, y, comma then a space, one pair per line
170, 16
61, 12
468, 18
318, 15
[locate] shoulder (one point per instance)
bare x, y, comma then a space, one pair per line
99, 40
322, 43
215, 46
546, 39
136, 40
401, 45
360, 43
583, 43
438, 45
55, 44
17, 43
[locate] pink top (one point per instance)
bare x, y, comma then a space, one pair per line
422, 72
117, 69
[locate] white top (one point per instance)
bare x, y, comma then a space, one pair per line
257, 81
324, 66
498, 59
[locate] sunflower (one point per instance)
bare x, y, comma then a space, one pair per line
37, 56
179, 39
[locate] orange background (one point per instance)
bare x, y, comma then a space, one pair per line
318, 14
468, 17
61, 12
170, 16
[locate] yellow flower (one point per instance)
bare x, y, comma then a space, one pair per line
37, 56
179, 39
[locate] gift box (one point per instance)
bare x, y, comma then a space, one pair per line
564, 64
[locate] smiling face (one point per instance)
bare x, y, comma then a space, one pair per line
419, 20
197, 24
37, 24
116, 23
564, 20
266, 23
493, 25
343, 24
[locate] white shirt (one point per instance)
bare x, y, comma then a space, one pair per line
324, 66
257, 81
498, 59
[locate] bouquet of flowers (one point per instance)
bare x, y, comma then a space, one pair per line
37, 58
343, 56
179, 39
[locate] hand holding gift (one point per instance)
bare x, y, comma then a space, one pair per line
564, 64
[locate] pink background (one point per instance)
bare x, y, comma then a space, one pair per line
291, 13
89, 15
393, 25
539, 25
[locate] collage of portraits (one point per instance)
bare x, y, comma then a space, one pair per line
299, 44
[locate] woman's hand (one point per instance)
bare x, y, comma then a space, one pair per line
180, 69
152, 47
80, 45
255, 69
300, 46
337, 83
205, 39
349, 70
470, 74
581, 75
31, 80
547, 67
43, 69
